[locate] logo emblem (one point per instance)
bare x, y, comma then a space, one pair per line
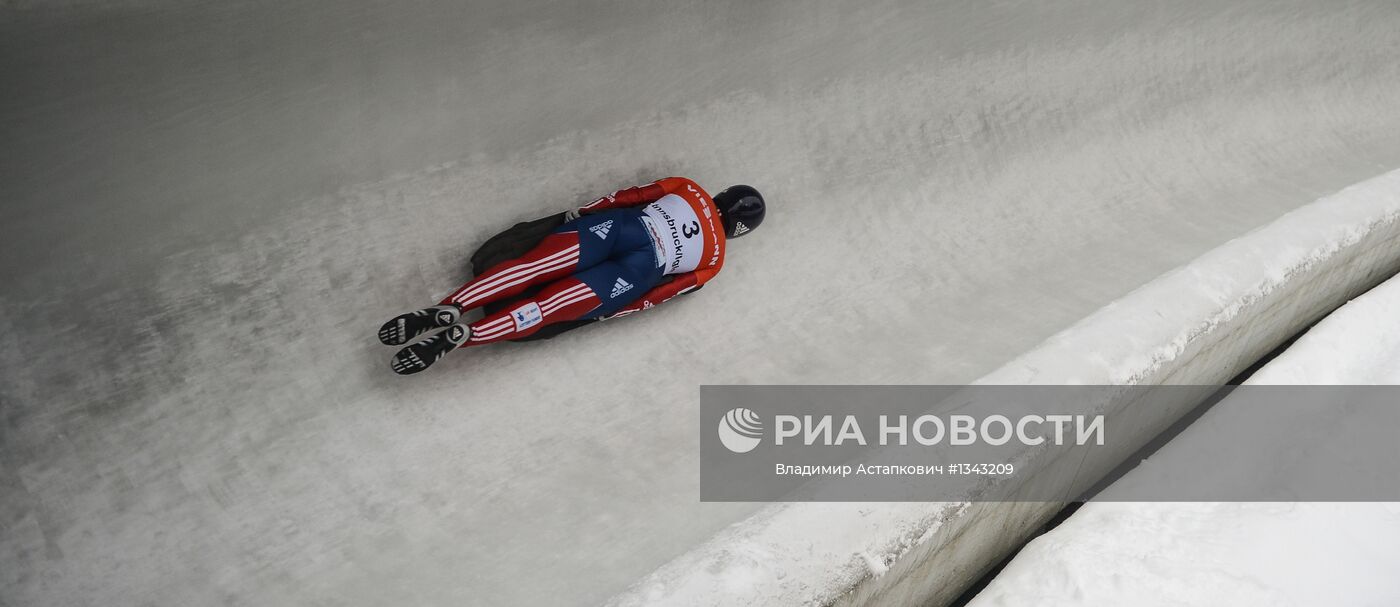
740, 229
601, 230
740, 430
620, 287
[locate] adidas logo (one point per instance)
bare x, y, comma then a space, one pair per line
601, 230
620, 287
740, 229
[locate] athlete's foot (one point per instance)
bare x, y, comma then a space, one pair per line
398, 331
419, 356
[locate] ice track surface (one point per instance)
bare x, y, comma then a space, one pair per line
208, 208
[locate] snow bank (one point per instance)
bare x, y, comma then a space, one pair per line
1182, 554
1200, 324
1359, 344
1234, 553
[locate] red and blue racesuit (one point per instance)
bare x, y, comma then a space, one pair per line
612, 261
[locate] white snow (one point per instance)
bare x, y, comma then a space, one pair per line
1200, 554
1176, 554
1359, 344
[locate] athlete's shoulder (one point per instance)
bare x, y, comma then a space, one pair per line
676, 185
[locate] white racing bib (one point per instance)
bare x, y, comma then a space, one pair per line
675, 231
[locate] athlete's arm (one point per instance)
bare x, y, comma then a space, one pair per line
682, 283
641, 194
629, 197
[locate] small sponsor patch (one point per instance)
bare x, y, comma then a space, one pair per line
526, 316
602, 229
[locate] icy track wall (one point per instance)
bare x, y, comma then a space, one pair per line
1237, 553
1200, 324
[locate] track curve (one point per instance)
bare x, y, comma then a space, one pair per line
209, 207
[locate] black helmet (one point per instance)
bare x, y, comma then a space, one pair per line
741, 209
